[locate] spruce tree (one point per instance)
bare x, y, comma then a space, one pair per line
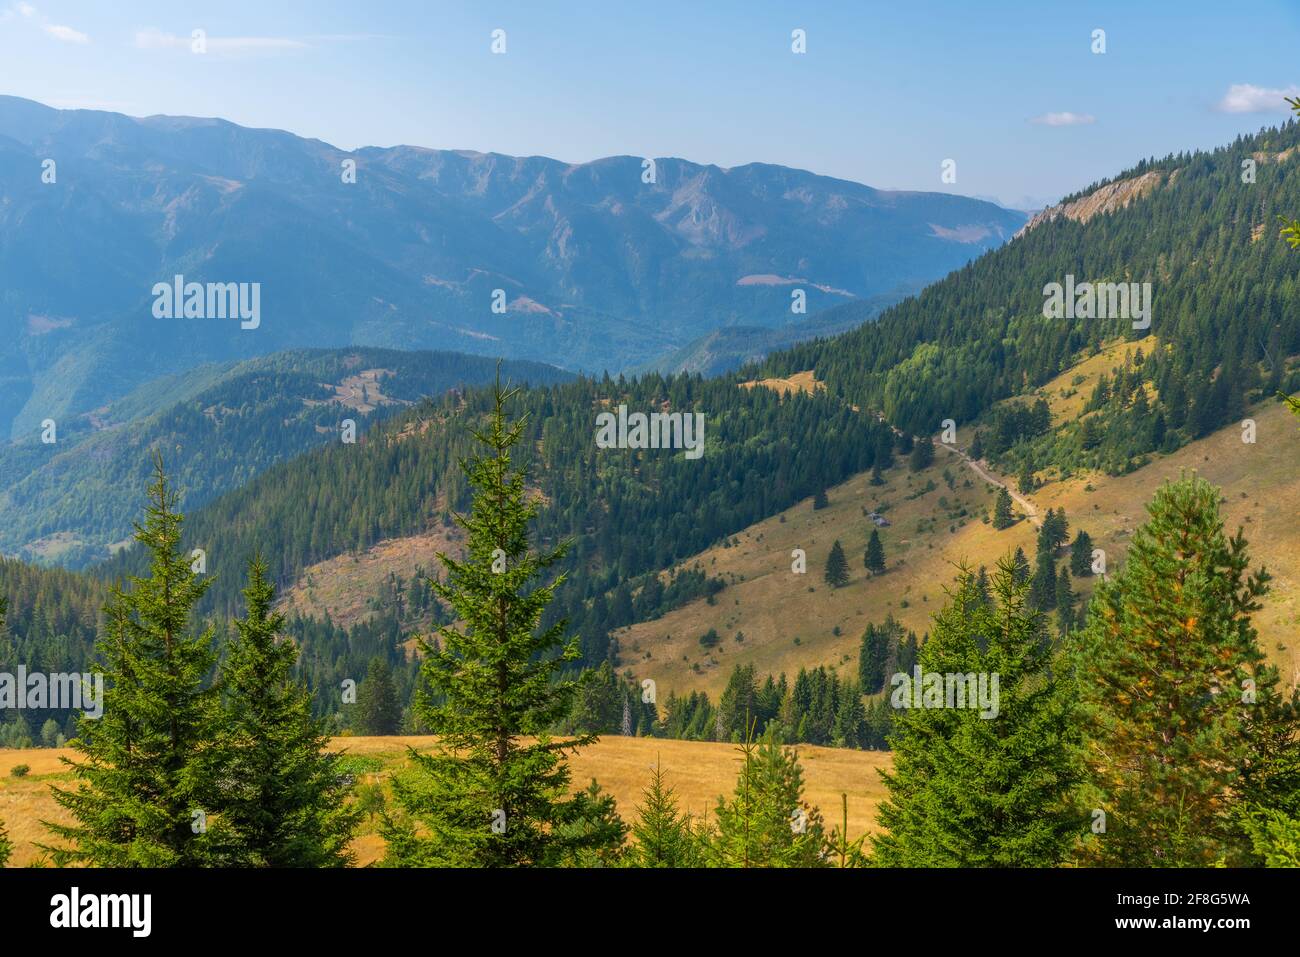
1176, 698
1042, 588
1081, 555
977, 446
876, 477
972, 788
378, 710
143, 785
1002, 517
873, 655
1020, 566
843, 852
767, 822
590, 833
1055, 531
922, 456
1065, 601
837, 566
819, 500
663, 835
849, 728
285, 803
874, 558
493, 792
1025, 482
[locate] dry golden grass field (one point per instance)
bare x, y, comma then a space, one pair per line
698, 771
805, 382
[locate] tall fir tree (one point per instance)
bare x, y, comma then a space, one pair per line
837, 566
663, 835
1002, 515
981, 786
1174, 691
1020, 566
767, 822
922, 456
874, 557
1065, 602
873, 654
378, 710
494, 791
285, 804
1081, 555
1025, 482
144, 784
1042, 587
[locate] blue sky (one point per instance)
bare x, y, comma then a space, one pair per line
886, 91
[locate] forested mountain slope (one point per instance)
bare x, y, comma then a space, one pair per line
68, 501
1224, 296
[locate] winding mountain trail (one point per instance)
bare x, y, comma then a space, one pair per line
1029, 508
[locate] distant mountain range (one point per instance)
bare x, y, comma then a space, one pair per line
602, 265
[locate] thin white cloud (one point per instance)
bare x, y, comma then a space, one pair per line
152, 39
1248, 98
58, 31
66, 34
1064, 119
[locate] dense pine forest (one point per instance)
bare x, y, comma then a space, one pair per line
1223, 291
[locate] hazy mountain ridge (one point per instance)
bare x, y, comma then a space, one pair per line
599, 269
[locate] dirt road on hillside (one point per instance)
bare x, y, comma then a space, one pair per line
1028, 507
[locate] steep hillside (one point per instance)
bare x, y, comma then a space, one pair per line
588, 266
1110, 198
789, 621
1222, 304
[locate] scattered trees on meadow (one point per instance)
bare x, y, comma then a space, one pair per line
1153, 735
